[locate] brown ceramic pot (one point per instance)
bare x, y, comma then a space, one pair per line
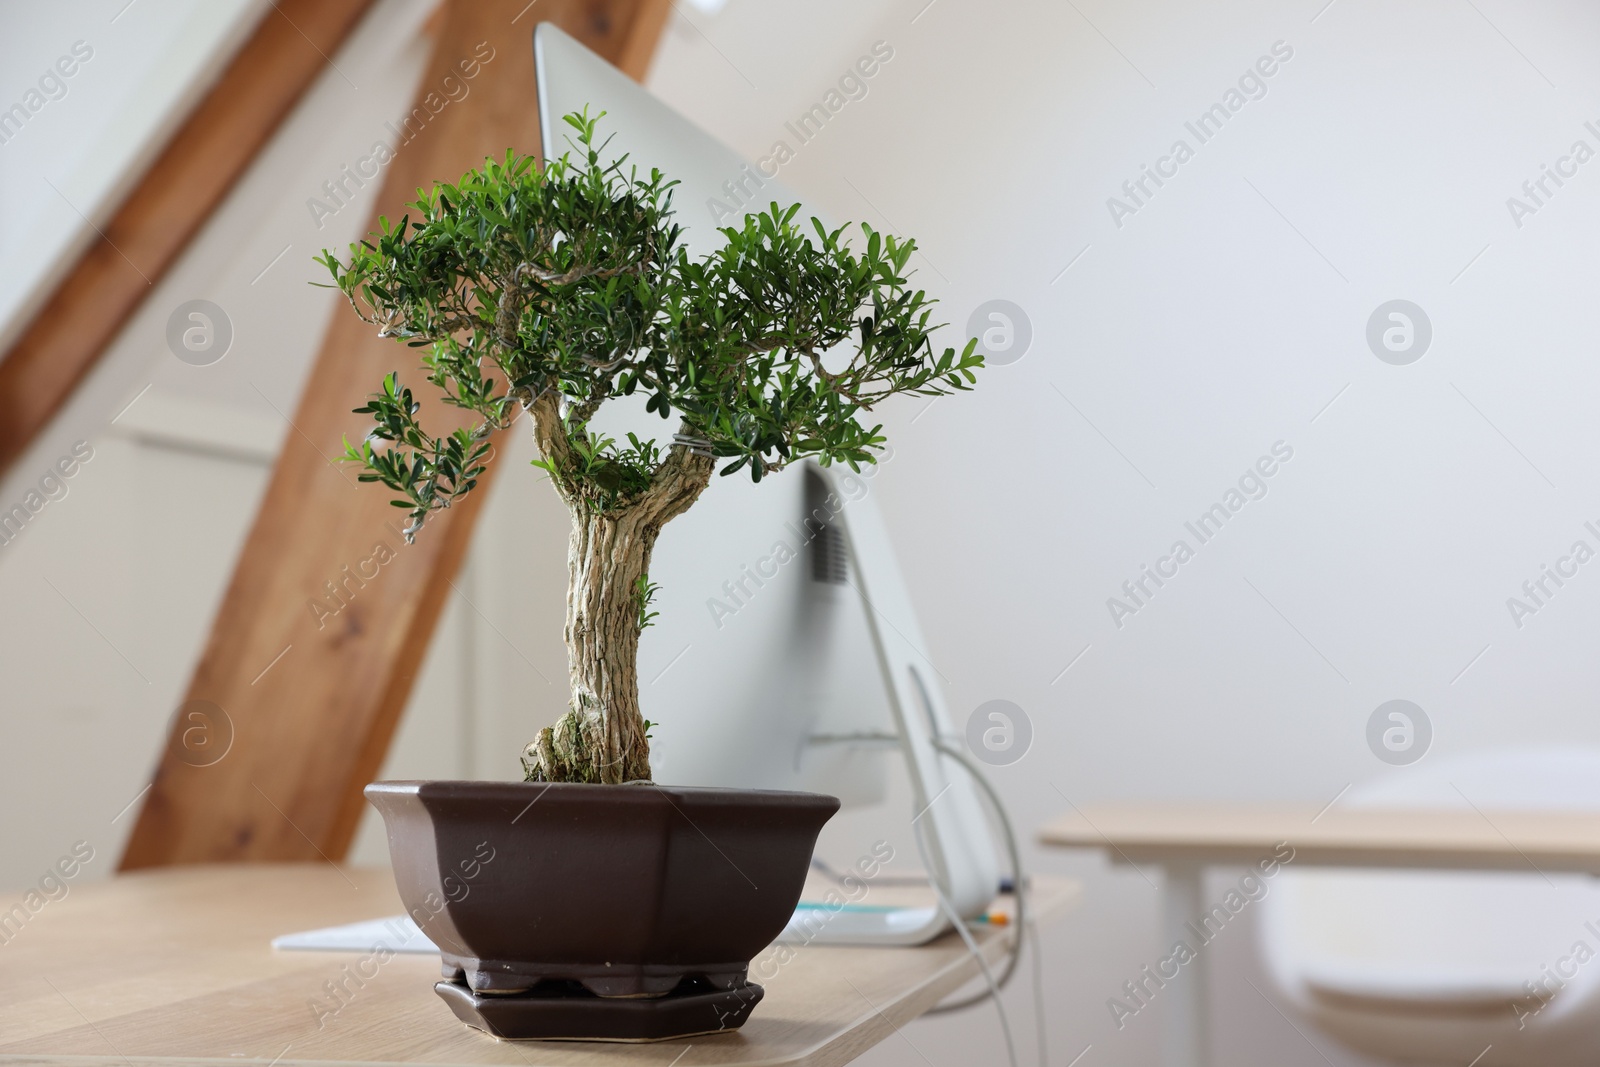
628, 890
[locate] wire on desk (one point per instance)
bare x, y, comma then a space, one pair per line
1018, 878
972, 947
1025, 922
1032, 930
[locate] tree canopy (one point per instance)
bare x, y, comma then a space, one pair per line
559, 289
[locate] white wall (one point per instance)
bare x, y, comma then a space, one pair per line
1219, 319
1168, 354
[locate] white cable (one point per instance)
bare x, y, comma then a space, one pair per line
1026, 925
1013, 855
972, 946
1038, 993
1019, 888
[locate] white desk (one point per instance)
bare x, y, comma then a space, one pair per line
1184, 839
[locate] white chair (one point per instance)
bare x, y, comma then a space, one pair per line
1434, 967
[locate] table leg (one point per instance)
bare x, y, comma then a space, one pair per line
1184, 1030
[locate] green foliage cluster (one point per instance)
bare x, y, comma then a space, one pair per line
572, 284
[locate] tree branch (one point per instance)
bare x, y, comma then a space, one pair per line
576, 273
678, 481
550, 434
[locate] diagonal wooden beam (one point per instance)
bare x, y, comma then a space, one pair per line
164, 210
324, 626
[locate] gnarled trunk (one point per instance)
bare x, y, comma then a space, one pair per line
601, 737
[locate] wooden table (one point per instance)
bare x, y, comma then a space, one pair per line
175, 963
1184, 839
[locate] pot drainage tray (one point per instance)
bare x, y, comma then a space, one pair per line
565, 1011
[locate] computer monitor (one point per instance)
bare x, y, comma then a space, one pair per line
787, 654
760, 666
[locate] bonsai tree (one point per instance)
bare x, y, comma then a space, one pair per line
557, 291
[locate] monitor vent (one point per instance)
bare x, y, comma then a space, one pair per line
829, 557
